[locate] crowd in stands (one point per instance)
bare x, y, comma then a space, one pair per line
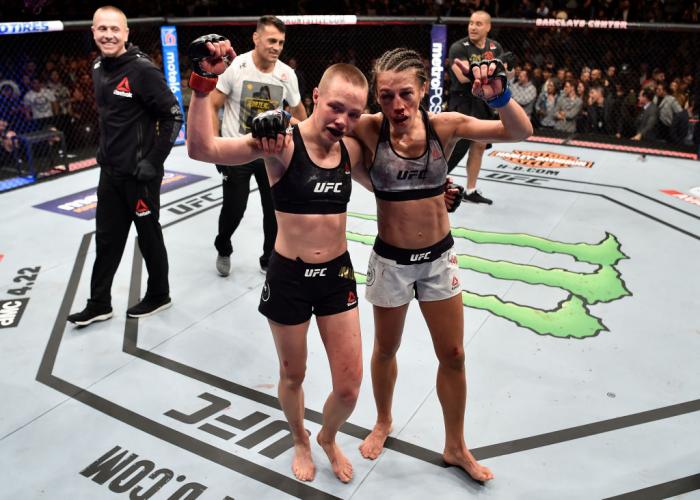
640, 106
55, 94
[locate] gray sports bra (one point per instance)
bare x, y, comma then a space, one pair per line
398, 178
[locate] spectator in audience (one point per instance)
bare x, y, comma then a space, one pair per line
547, 75
648, 119
680, 132
542, 9
560, 77
585, 75
567, 109
611, 77
625, 12
301, 76
658, 75
537, 78
12, 109
42, 103
62, 95
8, 143
582, 90
546, 104
524, 92
308, 104
599, 111
582, 93
597, 77
668, 108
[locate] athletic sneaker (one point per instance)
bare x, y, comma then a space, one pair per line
475, 197
264, 261
223, 264
148, 306
92, 312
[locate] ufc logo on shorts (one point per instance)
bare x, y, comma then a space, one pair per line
417, 257
326, 187
313, 273
412, 174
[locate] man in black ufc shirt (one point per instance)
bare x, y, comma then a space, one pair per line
473, 48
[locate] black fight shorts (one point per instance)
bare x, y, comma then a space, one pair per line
294, 290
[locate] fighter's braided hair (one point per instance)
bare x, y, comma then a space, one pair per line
398, 60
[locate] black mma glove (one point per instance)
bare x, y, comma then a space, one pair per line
501, 99
458, 196
198, 51
146, 171
270, 123
203, 81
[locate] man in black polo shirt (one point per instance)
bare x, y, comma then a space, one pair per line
473, 48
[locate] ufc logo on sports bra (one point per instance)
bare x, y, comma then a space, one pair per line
327, 187
412, 174
417, 257
312, 273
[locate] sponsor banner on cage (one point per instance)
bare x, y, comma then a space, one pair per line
30, 27
581, 23
171, 66
84, 204
541, 159
319, 19
438, 43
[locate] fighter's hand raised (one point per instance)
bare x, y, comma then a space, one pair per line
209, 55
489, 78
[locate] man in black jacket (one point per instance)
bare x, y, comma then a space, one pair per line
139, 121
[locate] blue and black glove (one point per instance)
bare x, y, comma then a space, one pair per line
501, 99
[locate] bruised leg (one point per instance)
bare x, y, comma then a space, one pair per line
290, 341
341, 337
388, 327
445, 319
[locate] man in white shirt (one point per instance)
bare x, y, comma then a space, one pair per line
255, 82
524, 92
42, 102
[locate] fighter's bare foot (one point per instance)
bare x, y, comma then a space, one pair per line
373, 444
339, 462
303, 465
466, 461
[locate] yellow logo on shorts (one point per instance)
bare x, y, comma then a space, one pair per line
347, 273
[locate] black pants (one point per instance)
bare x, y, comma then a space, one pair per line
236, 187
469, 105
121, 201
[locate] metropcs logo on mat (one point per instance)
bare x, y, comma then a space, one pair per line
570, 318
84, 204
541, 159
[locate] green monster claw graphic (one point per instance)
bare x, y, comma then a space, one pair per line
571, 318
